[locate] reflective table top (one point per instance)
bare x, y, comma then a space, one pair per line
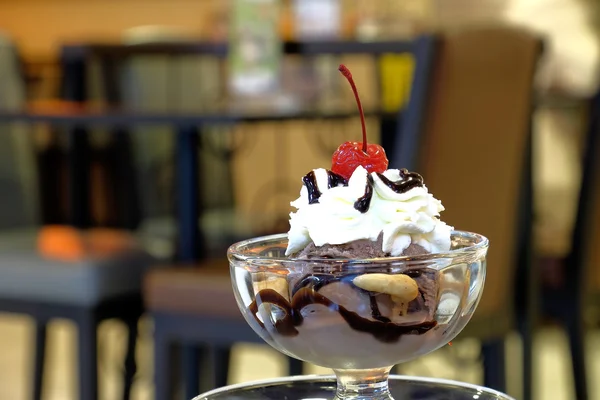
322, 387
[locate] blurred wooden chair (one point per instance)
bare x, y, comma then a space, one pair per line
577, 293
469, 136
59, 272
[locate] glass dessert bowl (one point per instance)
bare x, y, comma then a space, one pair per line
358, 317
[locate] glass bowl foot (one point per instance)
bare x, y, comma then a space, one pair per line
363, 384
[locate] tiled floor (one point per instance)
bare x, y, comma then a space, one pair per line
251, 362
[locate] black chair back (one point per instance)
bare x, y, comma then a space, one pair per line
583, 263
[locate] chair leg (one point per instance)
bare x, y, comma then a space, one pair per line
222, 357
576, 335
527, 352
494, 364
130, 364
162, 365
40, 356
88, 355
190, 357
295, 366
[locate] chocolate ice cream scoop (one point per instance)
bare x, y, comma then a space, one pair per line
354, 295
356, 250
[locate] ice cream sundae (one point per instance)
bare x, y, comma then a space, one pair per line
368, 275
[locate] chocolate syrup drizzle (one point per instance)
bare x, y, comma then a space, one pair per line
408, 180
304, 293
310, 181
364, 202
334, 180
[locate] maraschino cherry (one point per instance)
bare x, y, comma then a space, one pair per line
352, 154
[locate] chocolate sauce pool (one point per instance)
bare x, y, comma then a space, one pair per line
408, 180
305, 293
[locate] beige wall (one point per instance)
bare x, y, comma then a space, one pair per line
40, 26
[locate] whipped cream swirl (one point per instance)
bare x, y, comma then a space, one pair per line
331, 210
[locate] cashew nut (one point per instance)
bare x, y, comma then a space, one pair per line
400, 306
402, 288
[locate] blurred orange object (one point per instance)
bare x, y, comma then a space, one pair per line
55, 106
286, 25
61, 242
70, 244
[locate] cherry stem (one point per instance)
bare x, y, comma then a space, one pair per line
346, 72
